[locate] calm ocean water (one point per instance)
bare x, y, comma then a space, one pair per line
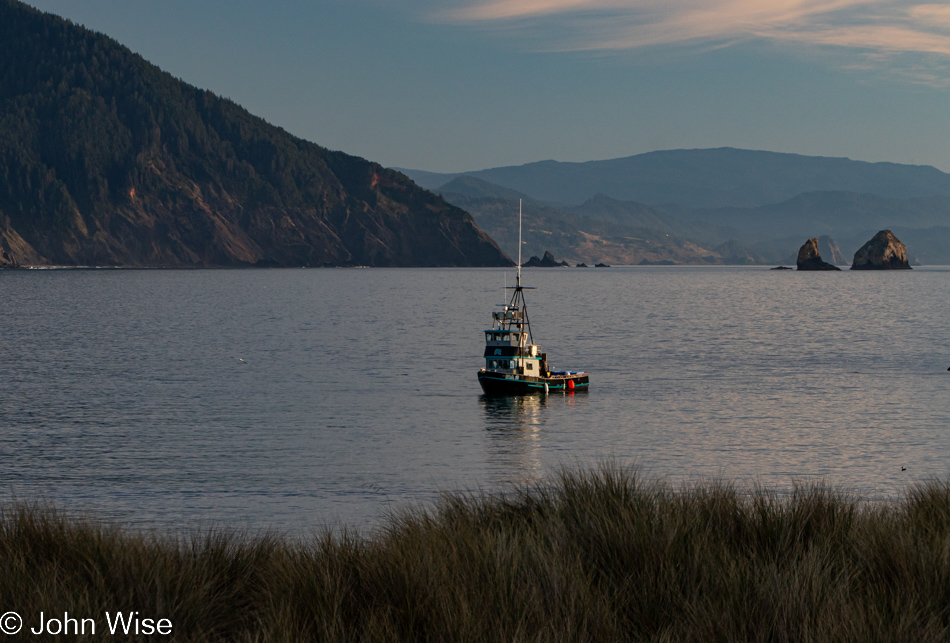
301, 398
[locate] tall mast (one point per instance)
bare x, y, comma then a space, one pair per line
519, 243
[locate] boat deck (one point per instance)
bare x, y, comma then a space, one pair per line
504, 383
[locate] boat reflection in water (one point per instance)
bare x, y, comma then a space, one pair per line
513, 426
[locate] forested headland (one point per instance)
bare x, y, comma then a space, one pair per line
107, 160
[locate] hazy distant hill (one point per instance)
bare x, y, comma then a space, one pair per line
105, 159
629, 213
601, 230
711, 178
606, 229
835, 213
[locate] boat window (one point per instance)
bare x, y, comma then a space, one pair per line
504, 337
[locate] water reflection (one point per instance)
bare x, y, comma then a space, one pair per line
513, 426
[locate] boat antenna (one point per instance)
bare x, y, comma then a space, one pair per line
519, 243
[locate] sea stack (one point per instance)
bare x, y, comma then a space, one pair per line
810, 259
883, 252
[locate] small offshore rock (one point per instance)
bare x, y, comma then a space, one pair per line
581, 265
883, 252
781, 268
602, 265
810, 259
548, 261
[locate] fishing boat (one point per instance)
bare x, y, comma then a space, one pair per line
514, 364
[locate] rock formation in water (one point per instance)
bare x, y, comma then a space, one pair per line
810, 259
883, 252
548, 261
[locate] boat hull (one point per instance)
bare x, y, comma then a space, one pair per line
501, 383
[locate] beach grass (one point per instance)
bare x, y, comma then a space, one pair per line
590, 555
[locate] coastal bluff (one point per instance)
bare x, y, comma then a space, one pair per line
106, 160
883, 252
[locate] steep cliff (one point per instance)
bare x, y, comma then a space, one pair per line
107, 160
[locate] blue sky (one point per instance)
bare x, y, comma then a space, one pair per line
468, 84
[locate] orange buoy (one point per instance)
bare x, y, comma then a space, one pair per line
570, 384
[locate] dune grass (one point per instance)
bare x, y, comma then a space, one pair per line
598, 555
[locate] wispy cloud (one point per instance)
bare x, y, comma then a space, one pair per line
870, 26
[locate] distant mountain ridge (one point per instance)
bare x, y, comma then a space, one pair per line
107, 160
705, 178
614, 231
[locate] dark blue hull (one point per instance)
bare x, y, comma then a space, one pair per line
501, 383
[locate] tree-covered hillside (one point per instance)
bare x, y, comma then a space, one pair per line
107, 160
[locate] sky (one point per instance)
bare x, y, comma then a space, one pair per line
459, 85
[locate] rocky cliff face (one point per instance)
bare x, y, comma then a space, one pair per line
810, 259
883, 252
107, 160
830, 252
